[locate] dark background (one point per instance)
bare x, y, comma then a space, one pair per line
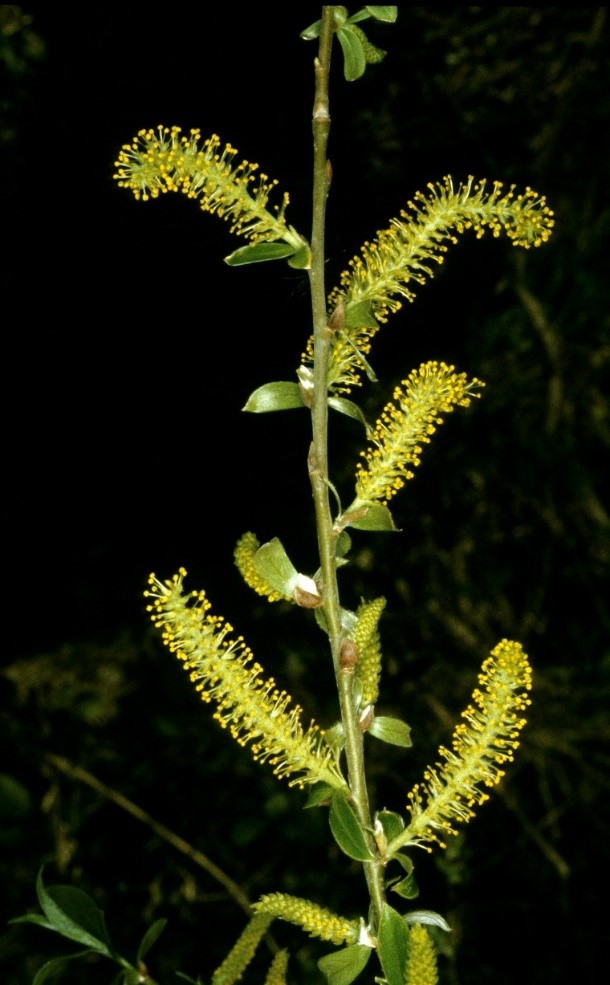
130, 349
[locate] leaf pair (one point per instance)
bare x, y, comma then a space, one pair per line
358, 52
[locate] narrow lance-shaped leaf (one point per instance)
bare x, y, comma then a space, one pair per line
73, 914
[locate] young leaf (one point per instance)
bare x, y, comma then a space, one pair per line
392, 731
274, 565
377, 517
354, 58
152, 934
407, 887
387, 14
429, 917
301, 260
392, 824
281, 395
55, 966
350, 409
360, 315
259, 252
393, 943
312, 32
321, 793
74, 915
342, 967
346, 829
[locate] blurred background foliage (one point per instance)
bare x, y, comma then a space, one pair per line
505, 530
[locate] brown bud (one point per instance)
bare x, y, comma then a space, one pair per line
336, 322
307, 600
367, 717
348, 656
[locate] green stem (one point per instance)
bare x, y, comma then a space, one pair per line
318, 459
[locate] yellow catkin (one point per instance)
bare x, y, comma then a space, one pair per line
405, 425
313, 919
401, 258
163, 159
255, 711
366, 637
242, 952
483, 742
421, 968
276, 974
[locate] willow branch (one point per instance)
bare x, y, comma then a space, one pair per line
318, 456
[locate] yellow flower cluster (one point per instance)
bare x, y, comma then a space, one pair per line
255, 711
405, 255
314, 919
366, 637
277, 969
243, 555
405, 424
483, 742
165, 160
421, 966
242, 952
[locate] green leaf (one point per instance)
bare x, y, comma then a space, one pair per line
353, 53
301, 260
393, 943
36, 918
342, 967
335, 736
275, 567
74, 915
320, 793
377, 517
152, 934
281, 395
346, 829
391, 822
407, 887
344, 544
405, 861
312, 32
260, 252
56, 965
429, 917
387, 14
350, 409
360, 315
392, 731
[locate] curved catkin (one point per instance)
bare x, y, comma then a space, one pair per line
315, 920
401, 258
255, 711
163, 159
483, 742
406, 424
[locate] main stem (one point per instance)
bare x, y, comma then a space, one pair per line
318, 461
